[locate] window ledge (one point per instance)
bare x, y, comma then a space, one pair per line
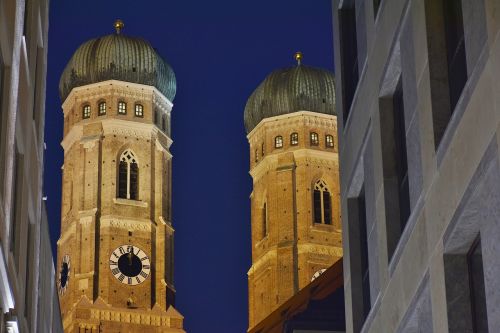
127, 202
323, 227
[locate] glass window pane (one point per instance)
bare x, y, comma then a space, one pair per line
134, 177
317, 206
122, 180
327, 209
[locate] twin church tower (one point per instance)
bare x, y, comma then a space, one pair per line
115, 252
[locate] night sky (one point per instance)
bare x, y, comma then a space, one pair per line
220, 51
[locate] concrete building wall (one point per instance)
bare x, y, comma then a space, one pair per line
418, 275
25, 258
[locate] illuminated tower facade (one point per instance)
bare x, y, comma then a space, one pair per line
296, 232
115, 253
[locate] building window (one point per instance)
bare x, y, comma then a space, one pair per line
86, 112
465, 286
264, 220
314, 139
139, 110
278, 142
376, 6
122, 108
294, 139
156, 116
447, 60
348, 55
329, 141
102, 108
322, 203
359, 260
262, 149
128, 176
256, 155
395, 165
163, 124
476, 284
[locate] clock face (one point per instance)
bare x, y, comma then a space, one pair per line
317, 274
129, 265
64, 273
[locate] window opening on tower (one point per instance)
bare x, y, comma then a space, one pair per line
322, 203
128, 176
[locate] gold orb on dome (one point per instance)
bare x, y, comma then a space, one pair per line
119, 25
298, 57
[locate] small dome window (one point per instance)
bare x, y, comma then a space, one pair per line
329, 141
294, 139
139, 110
314, 139
122, 107
102, 108
278, 142
86, 112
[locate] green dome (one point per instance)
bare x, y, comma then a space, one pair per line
288, 90
117, 57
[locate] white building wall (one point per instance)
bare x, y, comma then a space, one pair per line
27, 276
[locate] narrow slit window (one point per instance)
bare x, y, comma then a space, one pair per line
156, 116
86, 111
128, 176
264, 220
122, 108
314, 139
262, 149
256, 155
329, 141
139, 110
278, 142
102, 108
294, 139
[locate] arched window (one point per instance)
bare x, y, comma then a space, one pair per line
128, 176
322, 203
86, 112
264, 220
122, 107
294, 139
314, 139
329, 141
278, 142
139, 110
102, 109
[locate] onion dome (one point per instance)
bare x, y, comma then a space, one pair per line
117, 57
288, 90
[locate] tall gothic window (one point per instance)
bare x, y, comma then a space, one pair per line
128, 176
294, 139
278, 142
322, 203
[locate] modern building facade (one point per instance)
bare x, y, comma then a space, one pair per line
115, 253
28, 300
419, 131
296, 234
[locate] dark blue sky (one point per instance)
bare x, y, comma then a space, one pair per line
220, 51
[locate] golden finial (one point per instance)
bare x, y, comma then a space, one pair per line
298, 57
119, 26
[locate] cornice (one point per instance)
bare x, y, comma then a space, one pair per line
309, 156
263, 261
124, 223
118, 127
325, 250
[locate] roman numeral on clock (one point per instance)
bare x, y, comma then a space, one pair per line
138, 280
143, 274
129, 280
113, 263
145, 266
121, 277
115, 271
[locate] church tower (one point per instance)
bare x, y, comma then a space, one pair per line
115, 253
296, 231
